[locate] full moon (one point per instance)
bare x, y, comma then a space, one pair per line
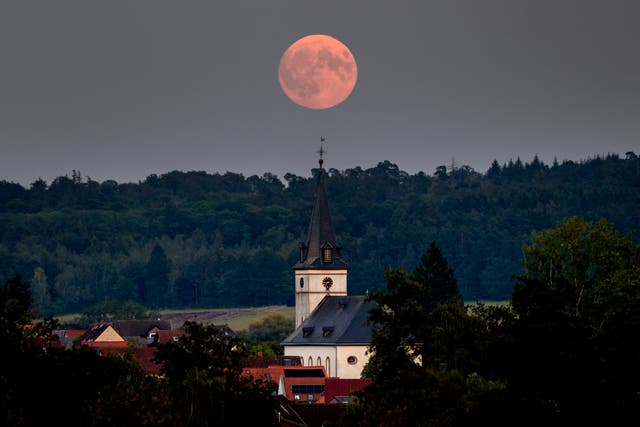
317, 72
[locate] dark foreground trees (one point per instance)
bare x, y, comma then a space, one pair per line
566, 351
578, 304
41, 384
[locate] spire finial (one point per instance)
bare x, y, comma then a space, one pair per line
321, 151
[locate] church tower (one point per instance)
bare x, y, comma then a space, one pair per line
320, 270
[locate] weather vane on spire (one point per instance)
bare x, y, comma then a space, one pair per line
321, 151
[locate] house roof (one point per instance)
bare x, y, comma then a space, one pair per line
73, 333
337, 320
103, 335
172, 335
320, 232
139, 328
144, 355
275, 372
267, 361
341, 388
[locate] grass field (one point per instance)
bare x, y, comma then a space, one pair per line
237, 319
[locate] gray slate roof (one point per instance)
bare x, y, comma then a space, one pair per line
320, 232
139, 328
337, 320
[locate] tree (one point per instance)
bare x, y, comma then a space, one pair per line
578, 302
273, 327
156, 282
265, 335
206, 380
425, 350
109, 311
581, 267
437, 278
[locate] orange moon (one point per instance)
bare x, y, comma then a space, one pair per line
317, 72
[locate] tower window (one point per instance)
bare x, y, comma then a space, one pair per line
301, 282
304, 251
327, 255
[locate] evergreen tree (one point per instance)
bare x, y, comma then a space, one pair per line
437, 278
156, 282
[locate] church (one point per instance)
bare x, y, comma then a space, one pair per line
332, 329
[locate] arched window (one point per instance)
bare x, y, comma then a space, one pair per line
319, 361
310, 361
327, 365
301, 282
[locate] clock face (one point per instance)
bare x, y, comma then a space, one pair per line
327, 282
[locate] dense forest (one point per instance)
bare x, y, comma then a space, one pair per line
196, 239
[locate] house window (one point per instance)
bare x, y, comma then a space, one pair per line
319, 361
307, 388
352, 360
327, 365
310, 361
307, 331
327, 331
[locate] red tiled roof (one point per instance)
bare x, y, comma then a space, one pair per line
144, 356
105, 344
167, 336
343, 386
74, 333
316, 376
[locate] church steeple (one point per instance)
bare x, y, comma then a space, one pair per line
320, 269
320, 248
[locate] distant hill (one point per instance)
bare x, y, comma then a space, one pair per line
193, 239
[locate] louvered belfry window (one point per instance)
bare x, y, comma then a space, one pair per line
327, 254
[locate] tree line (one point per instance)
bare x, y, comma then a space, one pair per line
197, 239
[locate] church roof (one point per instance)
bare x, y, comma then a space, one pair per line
320, 232
337, 320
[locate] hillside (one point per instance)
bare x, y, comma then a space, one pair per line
194, 239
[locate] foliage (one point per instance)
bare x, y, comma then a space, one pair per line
230, 240
578, 303
205, 376
427, 350
109, 311
203, 386
565, 352
273, 327
264, 336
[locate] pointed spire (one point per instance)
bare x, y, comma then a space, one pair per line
321, 247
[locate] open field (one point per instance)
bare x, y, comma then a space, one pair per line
237, 319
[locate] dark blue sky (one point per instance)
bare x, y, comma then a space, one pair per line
121, 89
